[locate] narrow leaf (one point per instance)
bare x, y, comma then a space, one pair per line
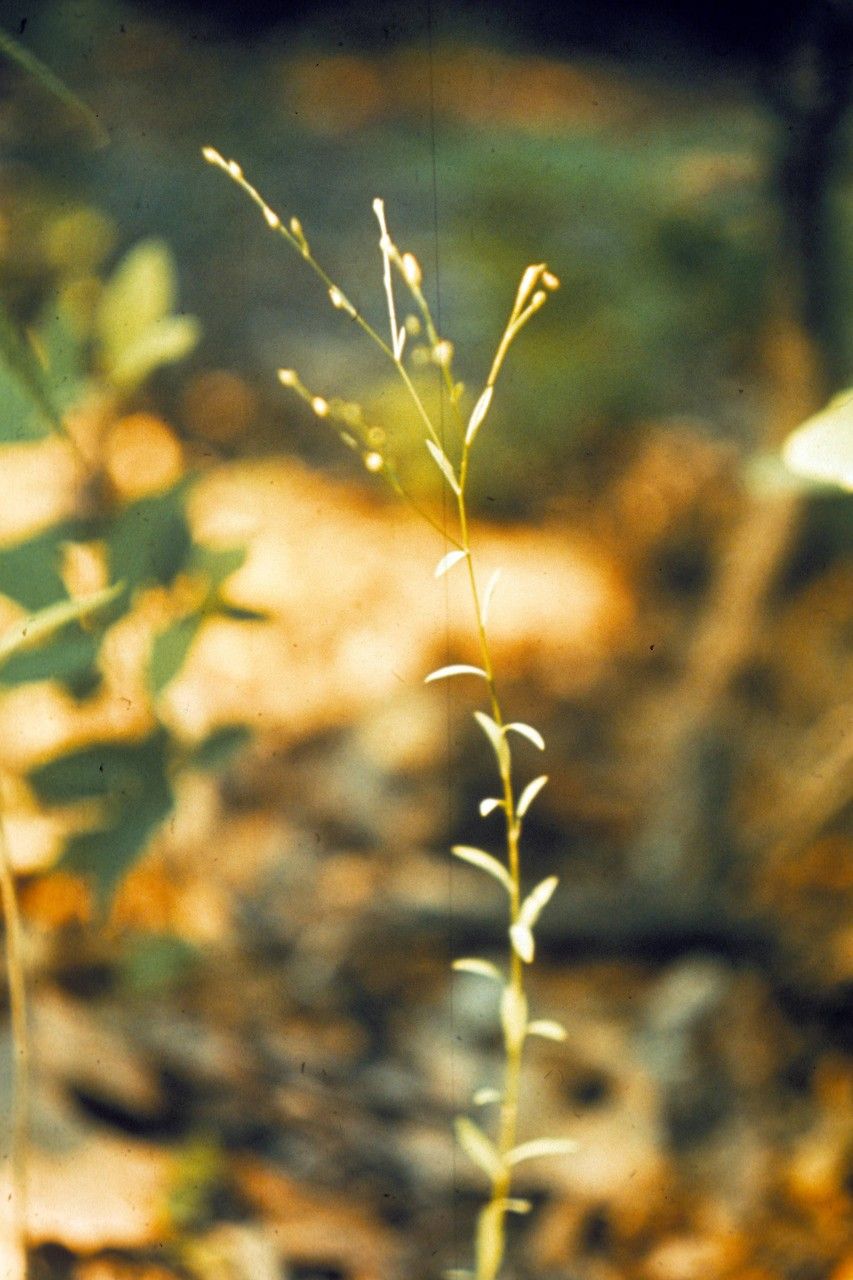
479, 1149
521, 937
547, 1029
529, 794
485, 1096
482, 968
542, 1147
481, 408
443, 463
527, 731
531, 907
448, 561
456, 669
514, 1205
485, 862
487, 596
495, 734
489, 805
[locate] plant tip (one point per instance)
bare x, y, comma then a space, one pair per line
374, 461
320, 406
287, 377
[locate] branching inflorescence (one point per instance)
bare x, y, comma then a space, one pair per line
496, 1156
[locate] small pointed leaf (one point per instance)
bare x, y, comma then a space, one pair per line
448, 561
485, 862
529, 794
495, 734
486, 1096
481, 408
487, 596
527, 731
489, 805
478, 1148
455, 669
521, 937
531, 907
547, 1029
482, 968
442, 461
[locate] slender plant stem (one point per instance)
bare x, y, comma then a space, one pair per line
533, 289
19, 1114
508, 1128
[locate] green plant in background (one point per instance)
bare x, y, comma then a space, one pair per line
498, 1155
62, 366
94, 362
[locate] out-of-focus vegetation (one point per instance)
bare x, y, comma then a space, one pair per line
249, 1065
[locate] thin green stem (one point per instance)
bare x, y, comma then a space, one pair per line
508, 1128
19, 1115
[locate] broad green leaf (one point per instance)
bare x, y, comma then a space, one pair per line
105, 768
217, 750
149, 541
484, 862
140, 293
164, 343
527, 731
133, 323
63, 349
29, 570
131, 780
107, 855
27, 407
69, 657
170, 649
34, 630
216, 563
478, 1148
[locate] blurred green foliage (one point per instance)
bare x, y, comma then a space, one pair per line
56, 365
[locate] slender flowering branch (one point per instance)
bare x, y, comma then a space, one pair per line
496, 1156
